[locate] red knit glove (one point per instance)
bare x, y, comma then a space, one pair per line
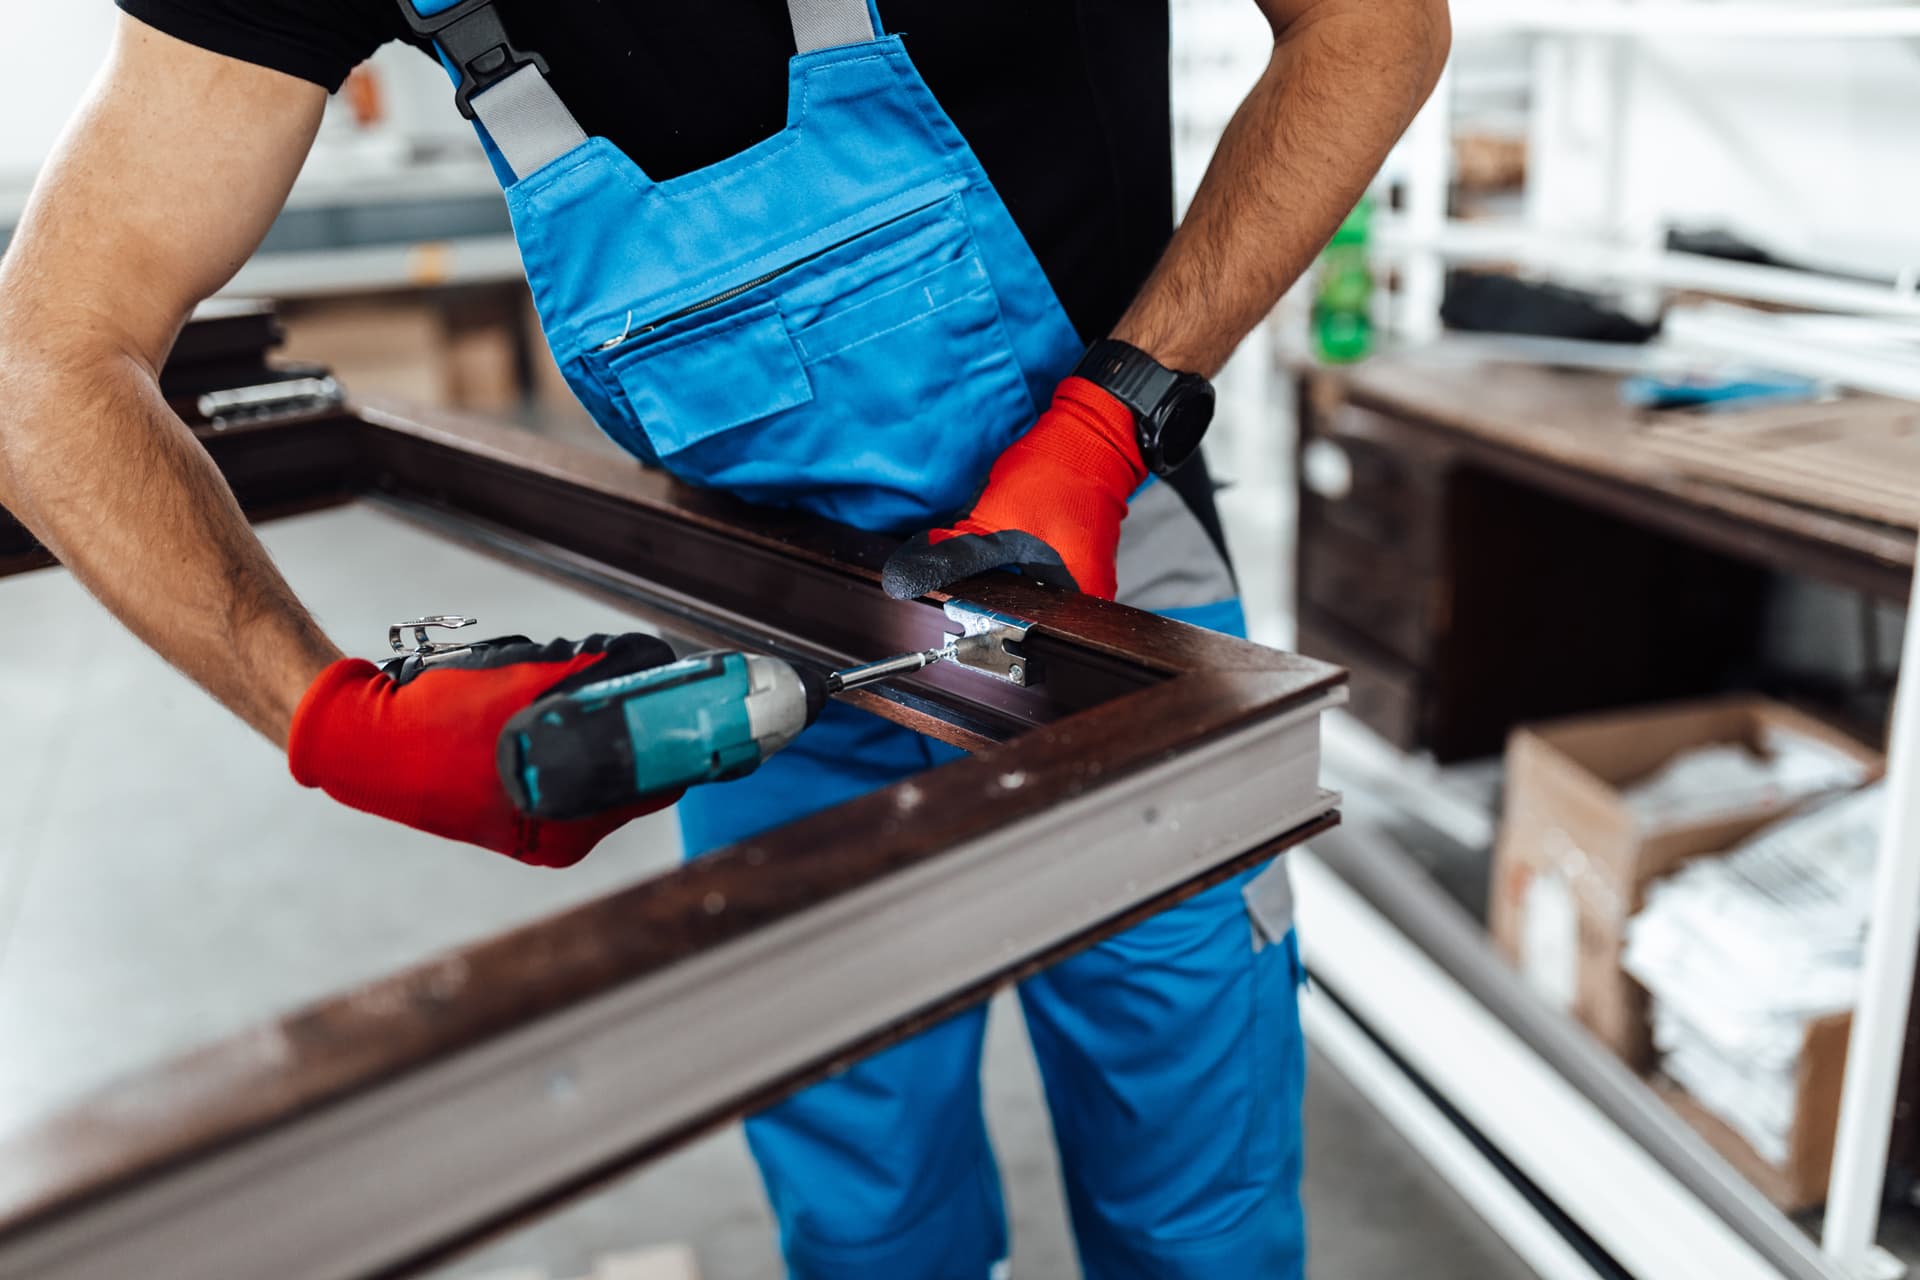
1052, 505
417, 746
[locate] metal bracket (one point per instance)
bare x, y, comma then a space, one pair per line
422, 647
989, 642
223, 409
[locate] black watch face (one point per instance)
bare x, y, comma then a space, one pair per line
1183, 421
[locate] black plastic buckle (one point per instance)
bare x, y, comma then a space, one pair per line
471, 36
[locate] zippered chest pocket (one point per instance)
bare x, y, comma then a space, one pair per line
871, 382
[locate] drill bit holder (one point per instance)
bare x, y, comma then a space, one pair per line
988, 642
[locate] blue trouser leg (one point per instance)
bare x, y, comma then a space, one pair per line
1173, 1066
1171, 1056
883, 1172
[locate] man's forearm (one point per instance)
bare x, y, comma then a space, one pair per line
97, 467
117, 243
1345, 79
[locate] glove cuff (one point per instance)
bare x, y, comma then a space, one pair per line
308, 737
1106, 419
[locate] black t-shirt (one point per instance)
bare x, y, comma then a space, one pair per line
1065, 101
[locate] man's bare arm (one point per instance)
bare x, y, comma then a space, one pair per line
1345, 79
162, 186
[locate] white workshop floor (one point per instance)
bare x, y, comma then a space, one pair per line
163, 881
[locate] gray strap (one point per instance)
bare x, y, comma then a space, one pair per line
821, 24
527, 121
531, 126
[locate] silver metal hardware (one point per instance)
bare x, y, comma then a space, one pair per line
899, 665
269, 400
989, 642
424, 648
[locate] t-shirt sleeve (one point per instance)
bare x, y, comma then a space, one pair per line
317, 40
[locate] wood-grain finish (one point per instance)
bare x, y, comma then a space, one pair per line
1566, 431
1508, 546
963, 998
1124, 692
1858, 457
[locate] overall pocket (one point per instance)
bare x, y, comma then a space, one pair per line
872, 382
714, 379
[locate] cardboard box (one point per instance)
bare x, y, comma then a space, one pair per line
388, 347
1572, 865
456, 349
1801, 1183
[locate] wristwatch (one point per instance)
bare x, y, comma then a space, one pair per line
1171, 409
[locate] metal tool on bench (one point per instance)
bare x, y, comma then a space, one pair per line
711, 717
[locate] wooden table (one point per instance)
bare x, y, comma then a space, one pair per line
1483, 543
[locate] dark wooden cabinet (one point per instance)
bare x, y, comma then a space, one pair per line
1465, 600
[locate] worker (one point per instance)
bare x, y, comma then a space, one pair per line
912, 276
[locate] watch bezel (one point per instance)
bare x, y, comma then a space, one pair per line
1191, 394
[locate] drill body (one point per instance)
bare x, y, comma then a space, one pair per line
712, 717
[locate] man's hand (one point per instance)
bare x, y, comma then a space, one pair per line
418, 746
1052, 504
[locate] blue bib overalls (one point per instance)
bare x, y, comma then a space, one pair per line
844, 318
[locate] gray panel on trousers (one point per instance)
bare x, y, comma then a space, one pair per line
1269, 899
527, 121
1167, 561
822, 24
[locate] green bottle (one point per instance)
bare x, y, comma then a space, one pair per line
1343, 302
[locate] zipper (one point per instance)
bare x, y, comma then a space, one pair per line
729, 295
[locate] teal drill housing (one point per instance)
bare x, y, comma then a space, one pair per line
596, 746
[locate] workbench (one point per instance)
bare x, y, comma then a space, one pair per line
1484, 543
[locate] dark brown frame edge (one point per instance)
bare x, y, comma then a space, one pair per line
1123, 691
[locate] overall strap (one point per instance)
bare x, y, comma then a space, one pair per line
501, 86
821, 24
507, 91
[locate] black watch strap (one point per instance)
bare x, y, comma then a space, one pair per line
1170, 409
1128, 374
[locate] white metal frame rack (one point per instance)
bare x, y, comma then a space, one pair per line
1424, 240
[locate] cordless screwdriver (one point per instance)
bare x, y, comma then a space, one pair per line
712, 717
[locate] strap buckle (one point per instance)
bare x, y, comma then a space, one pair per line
470, 35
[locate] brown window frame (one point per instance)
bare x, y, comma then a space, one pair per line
1151, 761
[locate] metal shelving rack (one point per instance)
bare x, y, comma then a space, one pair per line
1423, 241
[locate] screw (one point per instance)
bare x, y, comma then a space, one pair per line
1016, 673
